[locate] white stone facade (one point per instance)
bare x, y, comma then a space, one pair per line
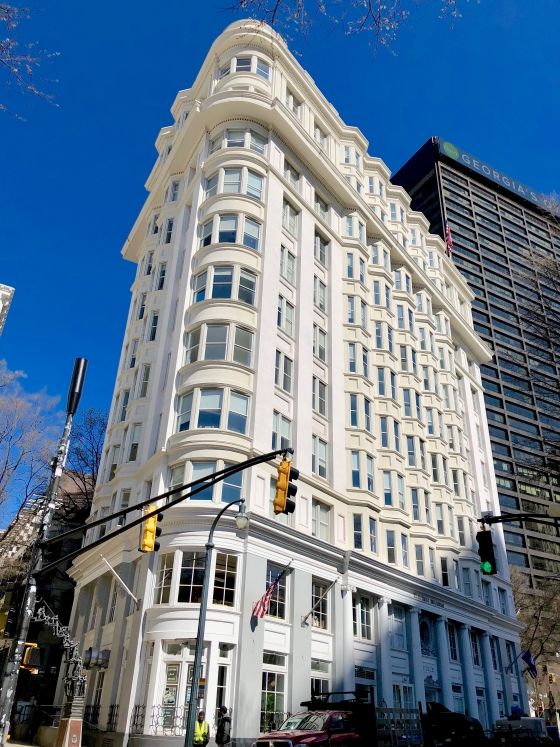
285, 290
6, 295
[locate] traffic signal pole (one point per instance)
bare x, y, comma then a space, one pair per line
17, 648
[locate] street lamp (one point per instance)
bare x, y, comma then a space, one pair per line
241, 521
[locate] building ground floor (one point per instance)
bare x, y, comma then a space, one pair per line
337, 621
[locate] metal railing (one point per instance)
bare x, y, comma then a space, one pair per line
113, 717
91, 715
137, 719
272, 720
169, 720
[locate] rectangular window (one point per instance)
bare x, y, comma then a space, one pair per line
432, 557
319, 398
349, 231
444, 572
387, 492
285, 316
210, 408
400, 490
287, 265
381, 382
243, 346
351, 310
232, 181
439, 519
134, 442
373, 535
361, 614
319, 457
461, 528
254, 185
475, 648
289, 218
153, 326
352, 357
224, 579
400, 317
163, 578
452, 638
430, 421
258, 143
281, 431
396, 431
378, 336
319, 343
168, 231
278, 600
451, 522
419, 556
404, 549
200, 470
354, 410
191, 578
320, 521
415, 504
358, 544
124, 404
376, 293
365, 362
410, 451
367, 414
320, 250
142, 306
384, 432
398, 638
467, 586
391, 553
403, 357
435, 469
144, 380
319, 293
349, 265
238, 413
319, 604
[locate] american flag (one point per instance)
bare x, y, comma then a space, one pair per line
448, 239
261, 607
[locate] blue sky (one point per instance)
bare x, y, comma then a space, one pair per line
74, 174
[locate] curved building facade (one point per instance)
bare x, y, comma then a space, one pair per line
286, 294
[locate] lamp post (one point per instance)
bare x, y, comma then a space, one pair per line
241, 520
11, 671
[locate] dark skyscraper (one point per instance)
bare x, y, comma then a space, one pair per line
499, 227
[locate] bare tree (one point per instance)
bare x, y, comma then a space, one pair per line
27, 438
378, 21
21, 63
539, 611
82, 465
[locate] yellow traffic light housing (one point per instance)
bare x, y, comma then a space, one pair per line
285, 490
31, 658
151, 530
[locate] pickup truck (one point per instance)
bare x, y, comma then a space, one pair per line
327, 728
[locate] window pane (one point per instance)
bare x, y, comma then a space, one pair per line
210, 408
231, 486
254, 185
232, 180
203, 469
235, 138
251, 234
184, 418
216, 342
243, 346
228, 229
238, 409
222, 282
247, 287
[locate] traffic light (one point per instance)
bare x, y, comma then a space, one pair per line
31, 658
151, 530
284, 488
486, 552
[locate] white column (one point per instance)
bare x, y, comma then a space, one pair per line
385, 685
489, 679
443, 661
467, 667
348, 658
416, 657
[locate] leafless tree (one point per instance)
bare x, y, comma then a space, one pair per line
377, 21
27, 438
21, 62
82, 465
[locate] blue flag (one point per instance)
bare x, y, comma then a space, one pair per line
531, 666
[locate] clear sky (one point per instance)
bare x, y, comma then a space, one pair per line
73, 175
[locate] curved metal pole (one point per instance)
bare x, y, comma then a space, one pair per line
191, 715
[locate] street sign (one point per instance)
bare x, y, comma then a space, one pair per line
201, 687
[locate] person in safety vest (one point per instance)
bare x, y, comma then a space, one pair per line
201, 731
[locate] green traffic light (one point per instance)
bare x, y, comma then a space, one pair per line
486, 567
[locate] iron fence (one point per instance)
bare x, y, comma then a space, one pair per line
91, 715
113, 717
137, 719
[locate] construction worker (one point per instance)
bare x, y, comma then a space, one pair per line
201, 731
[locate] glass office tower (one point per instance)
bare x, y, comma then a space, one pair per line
499, 226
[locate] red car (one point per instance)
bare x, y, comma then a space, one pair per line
314, 727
